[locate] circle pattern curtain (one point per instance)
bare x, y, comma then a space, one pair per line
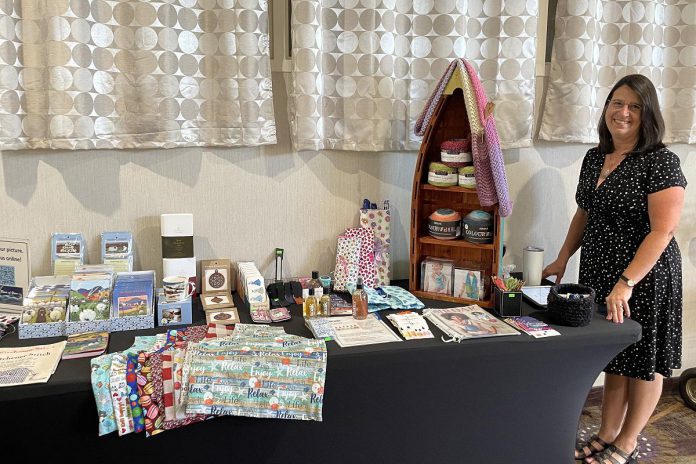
362, 70
598, 42
134, 74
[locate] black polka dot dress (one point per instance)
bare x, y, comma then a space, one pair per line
617, 223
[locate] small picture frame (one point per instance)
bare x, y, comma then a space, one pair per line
171, 316
222, 316
215, 276
436, 276
217, 300
469, 283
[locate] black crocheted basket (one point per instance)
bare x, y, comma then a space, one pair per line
573, 311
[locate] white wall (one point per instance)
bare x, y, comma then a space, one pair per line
247, 201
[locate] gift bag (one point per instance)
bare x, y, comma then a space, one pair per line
379, 221
366, 257
347, 262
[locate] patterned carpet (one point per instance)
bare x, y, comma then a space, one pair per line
669, 438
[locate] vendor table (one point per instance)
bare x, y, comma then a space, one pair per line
491, 400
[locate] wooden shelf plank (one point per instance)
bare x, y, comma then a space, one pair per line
439, 296
455, 243
456, 188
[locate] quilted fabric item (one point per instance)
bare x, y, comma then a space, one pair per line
119, 394
391, 297
268, 375
219, 330
162, 374
154, 416
134, 384
100, 378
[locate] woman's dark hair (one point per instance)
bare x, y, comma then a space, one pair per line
451, 316
652, 126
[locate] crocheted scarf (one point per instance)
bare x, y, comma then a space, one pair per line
489, 165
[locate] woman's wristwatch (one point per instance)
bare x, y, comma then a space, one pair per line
630, 282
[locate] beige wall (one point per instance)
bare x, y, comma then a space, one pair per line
247, 201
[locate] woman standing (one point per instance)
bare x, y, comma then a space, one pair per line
630, 196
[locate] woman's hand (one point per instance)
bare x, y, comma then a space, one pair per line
556, 268
617, 303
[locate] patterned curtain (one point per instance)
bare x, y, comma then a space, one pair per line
363, 69
134, 74
598, 42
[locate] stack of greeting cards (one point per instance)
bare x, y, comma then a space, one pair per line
133, 294
90, 293
67, 252
216, 292
47, 300
117, 250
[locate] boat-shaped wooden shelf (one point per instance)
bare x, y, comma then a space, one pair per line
449, 121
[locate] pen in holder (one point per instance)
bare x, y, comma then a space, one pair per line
507, 296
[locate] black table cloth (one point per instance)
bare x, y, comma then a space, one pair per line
491, 400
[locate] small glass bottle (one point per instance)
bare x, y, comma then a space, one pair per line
325, 303
315, 283
309, 309
359, 301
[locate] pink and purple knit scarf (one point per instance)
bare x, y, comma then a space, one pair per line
489, 165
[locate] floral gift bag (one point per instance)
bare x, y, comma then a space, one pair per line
366, 256
347, 262
379, 221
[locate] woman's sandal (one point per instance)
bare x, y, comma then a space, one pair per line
591, 447
614, 455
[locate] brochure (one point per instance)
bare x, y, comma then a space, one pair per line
468, 322
29, 364
354, 332
320, 327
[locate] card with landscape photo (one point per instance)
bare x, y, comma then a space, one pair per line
90, 299
85, 345
134, 305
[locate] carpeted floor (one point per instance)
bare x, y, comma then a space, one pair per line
669, 438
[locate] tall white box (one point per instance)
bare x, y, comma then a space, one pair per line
176, 225
178, 257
